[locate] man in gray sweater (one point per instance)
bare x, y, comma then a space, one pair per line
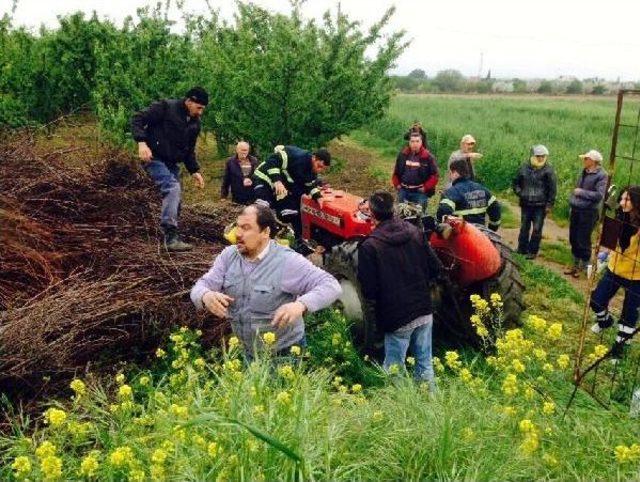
585, 203
262, 286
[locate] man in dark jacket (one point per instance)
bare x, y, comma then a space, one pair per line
287, 174
395, 268
585, 203
166, 133
468, 199
415, 174
237, 176
535, 185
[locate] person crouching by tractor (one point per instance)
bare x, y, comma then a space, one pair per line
468, 199
535, 185
622, 271
415, 174
287, 174
394, 271
262, 286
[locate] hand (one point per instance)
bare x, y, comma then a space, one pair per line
577, 191
198, 180
321, 202
247, 182
281, 191
144, 153
421, 189
288, 313
548, 209
474, 156
217, 303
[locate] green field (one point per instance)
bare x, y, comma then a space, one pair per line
505, 128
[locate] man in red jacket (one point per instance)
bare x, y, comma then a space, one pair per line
415, 174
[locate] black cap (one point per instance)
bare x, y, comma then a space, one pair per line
381, 205
198, 95
324, 156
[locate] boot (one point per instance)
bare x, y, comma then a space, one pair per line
173, 243
574, 270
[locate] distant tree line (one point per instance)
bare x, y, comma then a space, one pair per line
452, 81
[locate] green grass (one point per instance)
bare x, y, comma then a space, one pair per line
557, 252
505, 128
509, 219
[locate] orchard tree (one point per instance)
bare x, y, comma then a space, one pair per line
280, 79
449, 81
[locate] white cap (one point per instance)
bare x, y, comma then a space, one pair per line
593, 155
539, 150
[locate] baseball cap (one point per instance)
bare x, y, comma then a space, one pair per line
468, 138
539, 150
593, 155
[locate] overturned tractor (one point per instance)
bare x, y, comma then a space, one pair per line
475, 260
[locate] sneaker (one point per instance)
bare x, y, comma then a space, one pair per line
530, 256
600, 326
617, 352
571, 271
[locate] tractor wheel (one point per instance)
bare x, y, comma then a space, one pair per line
453, 322
342, 263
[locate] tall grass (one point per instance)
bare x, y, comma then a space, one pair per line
506, 128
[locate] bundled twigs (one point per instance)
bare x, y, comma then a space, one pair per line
83, 276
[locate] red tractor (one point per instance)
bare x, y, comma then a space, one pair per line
475, 261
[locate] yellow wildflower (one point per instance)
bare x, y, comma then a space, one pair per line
411, 361
120, 378
78, 387
451, 358
145, 381
199, 363
509, 410
199, 441
530, 444
213, 449
336, 339
51, 467
159, 456
125, 392
468, 434
158, 473
466, 376
550, 460
563, 361
179, 411
269, 338
89, 465
21, 466
356, 388
510, 385
548, 408
540, 354
555, 331
394, 369
529, 393
295, 350
547, 367
536, 323
55, 417
526, 426
437, 364
286, 372
136, 475
377, 416
626, 454
160, 353
496, 300
284, 397
121, 456
518, 366
177, 339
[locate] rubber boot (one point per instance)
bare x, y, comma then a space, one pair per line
173, 243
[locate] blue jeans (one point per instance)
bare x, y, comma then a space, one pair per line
531, 221
397, 344
608, 287
167, 179
404, 195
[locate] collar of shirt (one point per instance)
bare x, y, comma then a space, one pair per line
261, 255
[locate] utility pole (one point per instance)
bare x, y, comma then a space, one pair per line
480, 67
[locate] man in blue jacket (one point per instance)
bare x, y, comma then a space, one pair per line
166, 133
468, 199
585, 203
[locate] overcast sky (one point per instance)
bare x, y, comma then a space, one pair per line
541, 38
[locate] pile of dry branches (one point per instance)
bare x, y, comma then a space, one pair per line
83, 275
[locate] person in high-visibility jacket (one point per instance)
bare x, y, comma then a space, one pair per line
287, 174
468, 199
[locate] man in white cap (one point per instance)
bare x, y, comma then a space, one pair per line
585, 203
535, 185
466, 153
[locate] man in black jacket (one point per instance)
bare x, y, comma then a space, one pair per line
395, 268
535, 185
285, 176
237, 175
166, 133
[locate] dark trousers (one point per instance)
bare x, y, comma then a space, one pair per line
581, 224
531, 223
608, 287
287, 209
